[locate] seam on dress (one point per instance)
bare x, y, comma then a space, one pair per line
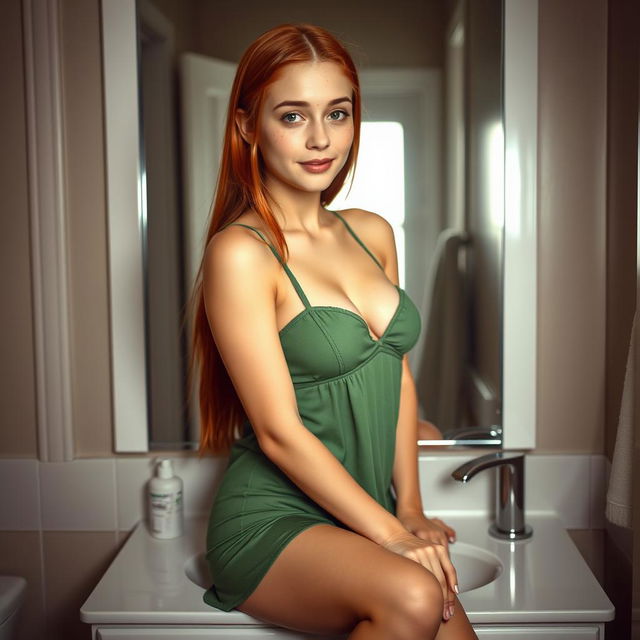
381, 349
244, 498
294, 321
330, 340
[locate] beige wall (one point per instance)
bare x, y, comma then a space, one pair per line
572, 225
622, 122
86, 218
400, 33
17, 391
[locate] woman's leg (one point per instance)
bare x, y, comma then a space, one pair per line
330, 580
458, 627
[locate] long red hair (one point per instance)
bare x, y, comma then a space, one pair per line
240, 187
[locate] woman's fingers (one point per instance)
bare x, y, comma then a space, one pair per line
449, 570
434, 557
436, 569
438, 537
442, 538
449, 532
450, 580
450, 602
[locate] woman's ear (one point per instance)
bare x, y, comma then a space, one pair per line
242, 121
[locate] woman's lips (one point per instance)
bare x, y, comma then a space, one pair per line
316, 167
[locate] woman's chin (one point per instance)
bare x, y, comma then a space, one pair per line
308, 186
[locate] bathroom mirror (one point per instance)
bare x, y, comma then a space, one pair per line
459, 113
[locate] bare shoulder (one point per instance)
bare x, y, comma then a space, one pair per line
374, 230
239, 254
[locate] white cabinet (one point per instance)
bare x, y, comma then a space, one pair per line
542, 631
592, 631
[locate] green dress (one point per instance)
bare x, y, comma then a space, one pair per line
347, 386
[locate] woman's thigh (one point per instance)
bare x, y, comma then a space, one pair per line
328, 579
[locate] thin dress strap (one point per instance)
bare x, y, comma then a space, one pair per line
353, 233
288, 271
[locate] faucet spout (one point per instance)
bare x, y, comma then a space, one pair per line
465, 472
509, 517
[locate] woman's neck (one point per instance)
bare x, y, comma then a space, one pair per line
296, 210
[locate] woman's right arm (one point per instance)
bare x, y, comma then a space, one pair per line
239, 284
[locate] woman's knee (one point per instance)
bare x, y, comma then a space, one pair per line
417, 599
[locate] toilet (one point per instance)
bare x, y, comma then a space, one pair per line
12, 593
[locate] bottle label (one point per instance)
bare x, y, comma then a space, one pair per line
166, 510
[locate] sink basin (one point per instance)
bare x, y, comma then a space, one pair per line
475, 567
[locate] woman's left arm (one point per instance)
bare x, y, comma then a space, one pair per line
405, 466
405, 463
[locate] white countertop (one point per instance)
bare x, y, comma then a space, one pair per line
544, 579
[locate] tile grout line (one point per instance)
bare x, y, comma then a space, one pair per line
43, 577
592, 480
115, 495
592, 491
39, 503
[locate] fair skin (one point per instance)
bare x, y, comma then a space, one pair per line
388, 576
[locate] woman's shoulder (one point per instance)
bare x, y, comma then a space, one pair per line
236, 247
368, 222
372, 228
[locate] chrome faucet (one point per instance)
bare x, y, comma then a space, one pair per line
509, 521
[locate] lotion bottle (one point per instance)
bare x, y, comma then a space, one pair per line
165, 502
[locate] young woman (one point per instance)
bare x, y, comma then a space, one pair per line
304, 378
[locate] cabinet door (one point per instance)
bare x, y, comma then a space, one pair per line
538, 632
235, 632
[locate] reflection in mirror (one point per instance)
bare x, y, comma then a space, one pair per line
431, 162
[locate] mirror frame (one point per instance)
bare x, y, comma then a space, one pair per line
125, 191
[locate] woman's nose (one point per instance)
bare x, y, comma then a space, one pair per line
318, 136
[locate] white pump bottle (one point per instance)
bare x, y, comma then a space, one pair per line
166, 513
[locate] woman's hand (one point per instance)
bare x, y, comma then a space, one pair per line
432, 529
434, 557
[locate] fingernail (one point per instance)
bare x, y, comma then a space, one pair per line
446, 614
455, 588
451, 611
452, 539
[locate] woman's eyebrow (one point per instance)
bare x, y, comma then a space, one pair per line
301, 103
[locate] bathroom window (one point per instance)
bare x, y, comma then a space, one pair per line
378, 184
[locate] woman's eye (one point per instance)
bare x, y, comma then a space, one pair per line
288, 117
341, 115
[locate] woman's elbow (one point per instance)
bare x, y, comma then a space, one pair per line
275, 436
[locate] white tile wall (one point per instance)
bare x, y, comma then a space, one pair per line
132, 476
108, 494
441, 494
560, 483
19, 495
565, 484
201, 479
78, 495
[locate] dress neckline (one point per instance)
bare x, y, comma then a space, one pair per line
310, 308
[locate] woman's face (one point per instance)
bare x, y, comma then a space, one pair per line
306, 117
